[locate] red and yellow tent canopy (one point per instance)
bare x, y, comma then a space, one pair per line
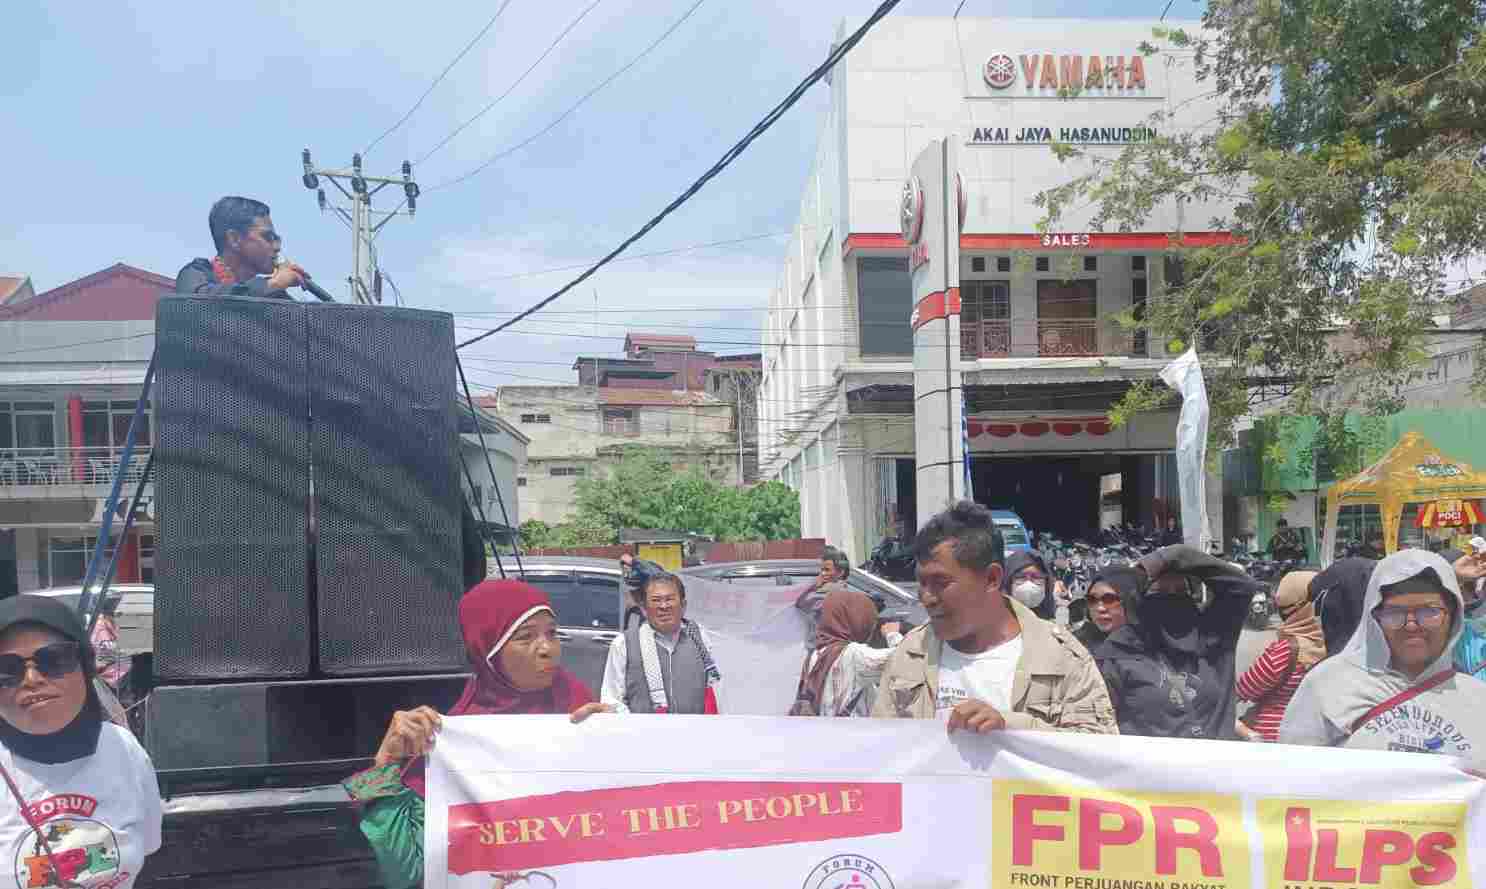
1447, 491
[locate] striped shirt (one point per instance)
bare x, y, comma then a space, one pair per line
1262, 680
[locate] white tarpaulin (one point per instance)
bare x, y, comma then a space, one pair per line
1185, 376
742, 802
758, 640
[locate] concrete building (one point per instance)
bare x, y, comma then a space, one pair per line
1038, 354
72, 365
576, 430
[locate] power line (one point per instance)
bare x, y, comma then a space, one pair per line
727, 158
497, 100
575, 106
447, 68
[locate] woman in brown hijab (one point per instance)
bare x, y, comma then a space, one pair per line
839, 677
1271, 681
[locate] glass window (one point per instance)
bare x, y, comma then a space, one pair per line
601, 594
31, 426
884, 302
558, 585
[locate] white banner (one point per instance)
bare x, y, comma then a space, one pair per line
744, 802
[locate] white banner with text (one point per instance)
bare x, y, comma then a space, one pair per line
735, 802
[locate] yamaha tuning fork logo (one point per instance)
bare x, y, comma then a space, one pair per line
911, 210
1000, 71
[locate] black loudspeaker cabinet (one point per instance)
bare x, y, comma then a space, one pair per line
231, 487
386, 490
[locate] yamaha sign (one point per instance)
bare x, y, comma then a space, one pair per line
1084, 74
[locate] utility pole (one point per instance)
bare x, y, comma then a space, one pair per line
365, 278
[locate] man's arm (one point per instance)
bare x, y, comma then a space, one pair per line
197, 278
612, 690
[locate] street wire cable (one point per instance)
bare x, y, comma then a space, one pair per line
574, 107
497, 100
437, 80
732, 154
636, 256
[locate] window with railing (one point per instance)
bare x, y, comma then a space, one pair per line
1067, 318
28, 426
621, 421
106, 427
985, 319
67, 558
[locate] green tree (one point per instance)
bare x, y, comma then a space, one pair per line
644, 490
1349, 140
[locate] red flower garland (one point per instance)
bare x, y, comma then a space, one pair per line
223, 273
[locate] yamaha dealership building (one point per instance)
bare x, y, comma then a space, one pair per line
1016, 355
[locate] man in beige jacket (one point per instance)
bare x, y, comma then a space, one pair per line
985, 659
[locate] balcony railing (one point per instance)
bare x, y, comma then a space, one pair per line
1061, 338
55, 467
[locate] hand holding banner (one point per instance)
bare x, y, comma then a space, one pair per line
875, 804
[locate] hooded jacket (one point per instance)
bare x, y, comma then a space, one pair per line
1448, 719
1178, 681
1047, 609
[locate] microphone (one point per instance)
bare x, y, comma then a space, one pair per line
316, 290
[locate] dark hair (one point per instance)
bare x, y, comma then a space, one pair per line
977, 543
1282, 523
233, 214
666, 578
838, 558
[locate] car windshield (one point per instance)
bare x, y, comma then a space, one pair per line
1012, 534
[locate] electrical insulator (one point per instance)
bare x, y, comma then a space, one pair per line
306, 157
411, 190
407, 170
320, 196
356, 162
311, 181
412, 205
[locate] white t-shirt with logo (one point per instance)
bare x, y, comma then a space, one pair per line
101, 815
983, 677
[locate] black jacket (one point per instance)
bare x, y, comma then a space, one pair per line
1159, 691
198, 277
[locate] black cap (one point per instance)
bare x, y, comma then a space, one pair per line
51, 614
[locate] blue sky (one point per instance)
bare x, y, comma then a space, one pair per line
124, 121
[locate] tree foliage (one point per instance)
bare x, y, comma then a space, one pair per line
1349, 144
644, 490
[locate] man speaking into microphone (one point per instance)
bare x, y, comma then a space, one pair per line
247, 247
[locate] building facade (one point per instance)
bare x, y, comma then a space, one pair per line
72, 366
1037, 349
575, 431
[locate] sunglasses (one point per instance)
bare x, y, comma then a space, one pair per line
52, 661
1106, 600
1393, 617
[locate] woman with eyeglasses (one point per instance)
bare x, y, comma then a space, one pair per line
1170, 669
510, 637
1271, 680
1105, 605
82, 803
1394, 685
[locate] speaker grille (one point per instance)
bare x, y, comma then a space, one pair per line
232, 448
386, 490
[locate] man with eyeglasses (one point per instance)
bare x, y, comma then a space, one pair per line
247, 251
1394, 686
665, 664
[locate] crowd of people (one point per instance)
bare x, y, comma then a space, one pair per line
1381, 654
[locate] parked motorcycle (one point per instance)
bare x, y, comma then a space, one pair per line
892, 559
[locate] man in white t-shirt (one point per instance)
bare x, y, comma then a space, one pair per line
984, 661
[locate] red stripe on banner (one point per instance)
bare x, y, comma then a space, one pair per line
1083, 241
932, 307
664, 819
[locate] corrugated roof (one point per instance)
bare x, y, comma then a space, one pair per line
660, 339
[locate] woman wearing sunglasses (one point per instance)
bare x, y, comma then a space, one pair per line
1394, 686
82, 805
510, 636
1105, 605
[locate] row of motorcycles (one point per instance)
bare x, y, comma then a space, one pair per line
1075, 563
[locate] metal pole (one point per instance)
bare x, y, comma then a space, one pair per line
949, 405
738, 394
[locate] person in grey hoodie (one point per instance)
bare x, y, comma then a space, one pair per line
1394, 687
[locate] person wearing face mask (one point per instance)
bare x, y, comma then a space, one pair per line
1170, 669
1394, 686
510, 637
1105, 603
82, 803
1028, 582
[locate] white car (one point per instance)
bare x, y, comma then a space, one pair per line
132, 606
